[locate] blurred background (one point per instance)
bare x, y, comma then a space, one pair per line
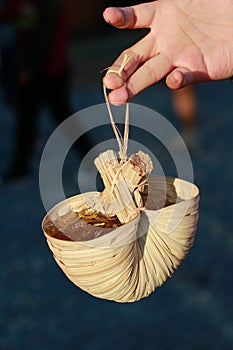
52, 54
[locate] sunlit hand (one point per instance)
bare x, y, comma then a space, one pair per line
189, 41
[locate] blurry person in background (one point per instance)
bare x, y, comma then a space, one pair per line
185, 105
41, 72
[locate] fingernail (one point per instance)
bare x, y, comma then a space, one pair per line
173, 79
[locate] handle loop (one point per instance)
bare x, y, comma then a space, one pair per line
122, 141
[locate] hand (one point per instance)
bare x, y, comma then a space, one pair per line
189, 41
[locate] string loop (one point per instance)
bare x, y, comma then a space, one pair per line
122, 141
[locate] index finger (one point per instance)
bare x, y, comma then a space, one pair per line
113, 79
138, 53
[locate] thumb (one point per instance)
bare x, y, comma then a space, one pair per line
115, 16
138, 16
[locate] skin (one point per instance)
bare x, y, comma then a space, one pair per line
190, 41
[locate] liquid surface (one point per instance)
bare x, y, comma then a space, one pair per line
79, 227
84, 226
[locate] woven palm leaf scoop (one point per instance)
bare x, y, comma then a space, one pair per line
122, 243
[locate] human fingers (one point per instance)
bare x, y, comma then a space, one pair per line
115, 80
181, 77
138, 16
149, 73
119, 96
116, 77
138, 54
152, 71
